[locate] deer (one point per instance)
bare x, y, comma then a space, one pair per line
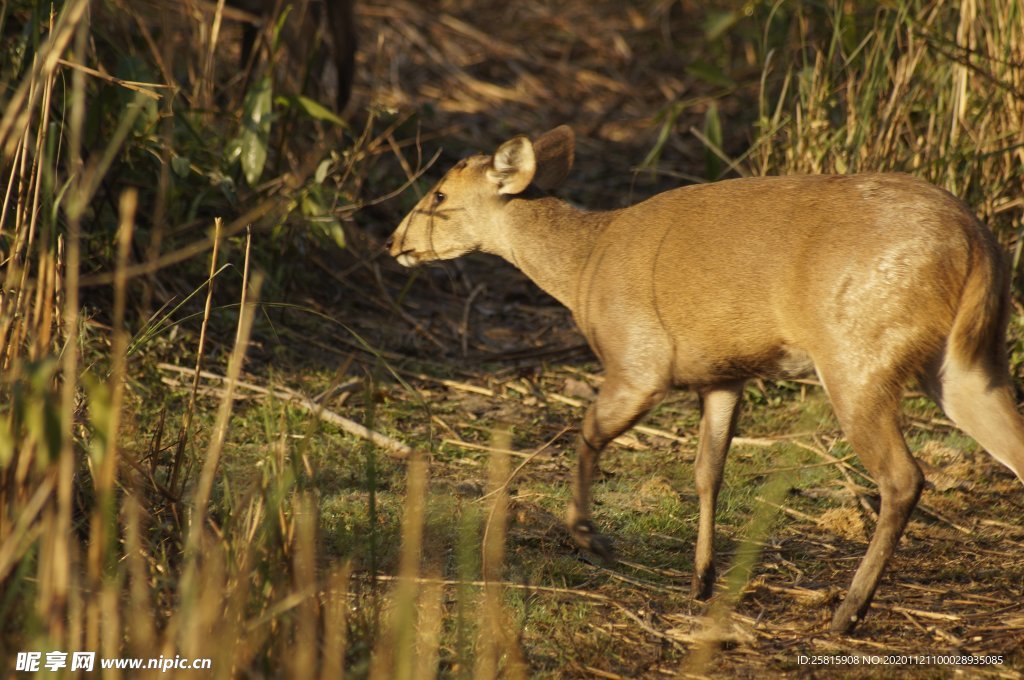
867, 280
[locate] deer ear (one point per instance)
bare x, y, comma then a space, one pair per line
513, 166
554, 151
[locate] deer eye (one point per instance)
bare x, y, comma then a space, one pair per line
439, 197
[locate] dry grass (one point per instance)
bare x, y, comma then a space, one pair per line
201, 518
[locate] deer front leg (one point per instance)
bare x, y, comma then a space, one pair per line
617, 407
719, 410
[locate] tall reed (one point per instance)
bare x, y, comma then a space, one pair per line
933, 88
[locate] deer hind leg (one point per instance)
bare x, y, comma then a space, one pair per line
869, 415
617, 407
978, 397
720, 406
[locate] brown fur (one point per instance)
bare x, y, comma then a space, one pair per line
870, 280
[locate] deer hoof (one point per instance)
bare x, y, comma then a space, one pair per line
844, 622
587, 537
703, 583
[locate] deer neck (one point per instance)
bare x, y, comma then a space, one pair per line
550, 241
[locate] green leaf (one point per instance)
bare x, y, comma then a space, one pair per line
255, 136
41, 404
710, 73
279, 27
318, 111
668, 117
334, 230
718, 23
713, 132
321, 218
7, 440
321, 171
180, 165
100, 415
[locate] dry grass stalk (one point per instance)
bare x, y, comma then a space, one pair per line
428, 632
204, 94
497, 647
335, 608
397, 654
58, 554
247, 312
139, 614
186, 428
101, 611
19, 109
304, 574
203, 576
